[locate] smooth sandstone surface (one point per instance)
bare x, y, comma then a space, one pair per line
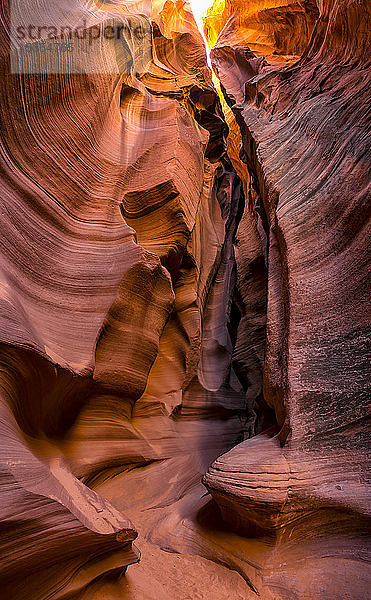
183, 308
300, 108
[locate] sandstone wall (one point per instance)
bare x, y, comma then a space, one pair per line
183, 296
304, 140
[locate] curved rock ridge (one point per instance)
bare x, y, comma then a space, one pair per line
269, 27
119, 212
304, 137
47, 513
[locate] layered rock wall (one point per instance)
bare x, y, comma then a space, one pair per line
304, 140
119, 209
183, 292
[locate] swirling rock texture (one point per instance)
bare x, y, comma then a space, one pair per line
182, 292
295, 78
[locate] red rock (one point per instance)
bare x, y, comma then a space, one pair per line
174, 305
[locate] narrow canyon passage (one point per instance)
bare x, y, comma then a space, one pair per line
183, 305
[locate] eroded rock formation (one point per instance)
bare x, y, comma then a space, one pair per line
301, 126
119, 208
183, 292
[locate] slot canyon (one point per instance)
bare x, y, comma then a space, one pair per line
184, 307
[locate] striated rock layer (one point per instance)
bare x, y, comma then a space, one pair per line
156, 326
119, 210
304, 141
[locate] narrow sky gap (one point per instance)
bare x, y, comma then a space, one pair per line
199, 8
